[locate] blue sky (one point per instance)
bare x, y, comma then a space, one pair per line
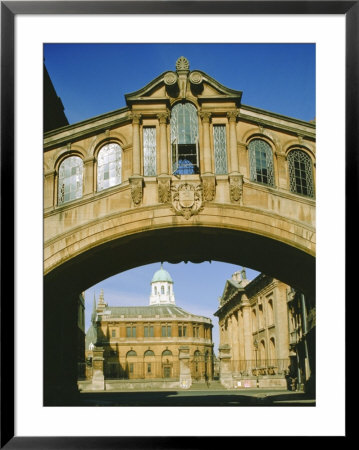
92, 79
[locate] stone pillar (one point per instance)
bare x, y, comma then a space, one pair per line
136, 144
98, 378
243, 367
233, 160
164, 179
49, 189
282, 168
243, 159
207, 154
185, 370
163, 119
247, 332
225, 371
88, 180
235, 341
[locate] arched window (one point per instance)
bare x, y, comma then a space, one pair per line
162, 290
300, 173
70, 179
167, 353
155, 290
109, 165
131, 353
261, 162
149, 353
184, 139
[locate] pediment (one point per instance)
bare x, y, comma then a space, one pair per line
183, 84
229, 290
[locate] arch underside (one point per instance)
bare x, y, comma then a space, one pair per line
190, 244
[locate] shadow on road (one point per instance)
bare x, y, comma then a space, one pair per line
190, 398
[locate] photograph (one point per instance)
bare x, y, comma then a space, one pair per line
179, 224
176, 183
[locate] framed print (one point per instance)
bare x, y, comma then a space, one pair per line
183, 173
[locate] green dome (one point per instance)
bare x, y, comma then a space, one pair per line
162, 275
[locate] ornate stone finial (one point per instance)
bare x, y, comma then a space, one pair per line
182, 63
101, 299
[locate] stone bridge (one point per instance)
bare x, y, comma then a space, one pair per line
184, 172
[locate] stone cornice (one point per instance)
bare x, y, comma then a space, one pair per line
81, 130
293, 126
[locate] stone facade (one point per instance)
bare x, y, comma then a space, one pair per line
150, 343
116, 182
254, 341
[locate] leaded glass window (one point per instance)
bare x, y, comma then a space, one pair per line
300, 173
184, 139
149, 151
109, 165
261, 162
70, 179
220, 149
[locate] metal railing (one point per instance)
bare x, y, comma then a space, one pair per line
261, 367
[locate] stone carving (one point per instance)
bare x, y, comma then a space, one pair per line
236, 187
182, 63
187, 200
163, 117
136, 189
209, 187
195, 77
136, 118
205, 116
170, 78
232, 116
164, 190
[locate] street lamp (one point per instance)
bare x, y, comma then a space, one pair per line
256, 352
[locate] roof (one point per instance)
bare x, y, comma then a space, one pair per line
162, 275
169, 311
90, 337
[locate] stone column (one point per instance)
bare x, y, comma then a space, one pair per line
233, 160
208, 178
185, 370
226, 378
136, 144
163, 119
235, 341
136, 181
247, 332
207, 156
49, 189
243, 367
88, 180
98, 378
282, 167
235, 178
164, 179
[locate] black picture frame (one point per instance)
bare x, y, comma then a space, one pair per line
9, 9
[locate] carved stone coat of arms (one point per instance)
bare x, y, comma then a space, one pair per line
187, 199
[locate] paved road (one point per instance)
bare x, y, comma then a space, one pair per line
192, 397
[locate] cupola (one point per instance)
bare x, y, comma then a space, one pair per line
162, 288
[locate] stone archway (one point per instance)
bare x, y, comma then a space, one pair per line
63, 284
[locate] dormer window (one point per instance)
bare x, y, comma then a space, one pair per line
184, 139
